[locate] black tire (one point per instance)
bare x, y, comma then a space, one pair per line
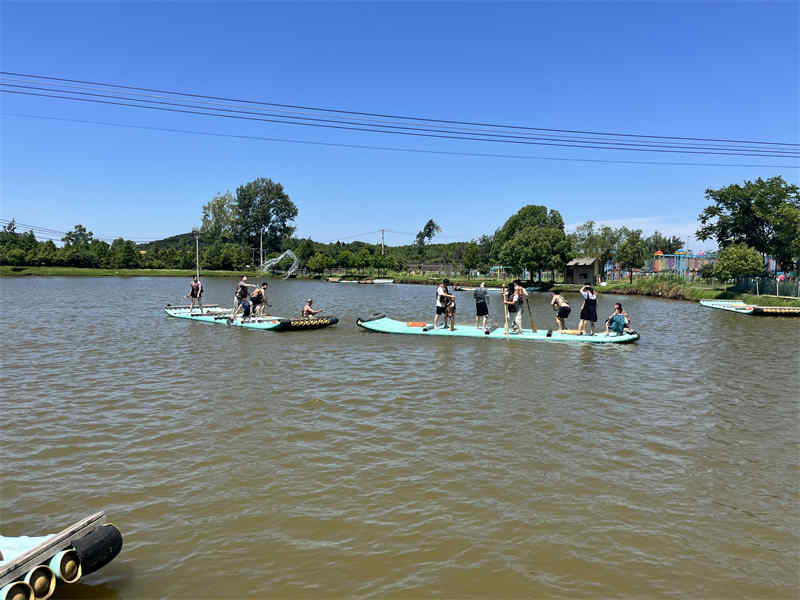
98, 548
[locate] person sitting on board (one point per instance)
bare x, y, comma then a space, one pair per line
449, 307
308, 311
512, 302
242, 297
588, 309
259, 299
195, 292
481, 306
562, 307
618, 321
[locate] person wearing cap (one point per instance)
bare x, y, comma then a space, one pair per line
308, 311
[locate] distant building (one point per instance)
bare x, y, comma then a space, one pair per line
584, 271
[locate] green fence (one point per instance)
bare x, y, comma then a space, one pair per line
769, 286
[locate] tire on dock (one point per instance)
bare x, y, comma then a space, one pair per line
18, 590
42, 581
67, 566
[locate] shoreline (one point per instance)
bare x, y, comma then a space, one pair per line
667, 288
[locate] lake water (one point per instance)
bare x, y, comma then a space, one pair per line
341, 463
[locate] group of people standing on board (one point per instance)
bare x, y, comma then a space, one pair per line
515, 295
617, 322
249, 304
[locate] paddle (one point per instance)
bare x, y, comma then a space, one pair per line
505, 311
530, 314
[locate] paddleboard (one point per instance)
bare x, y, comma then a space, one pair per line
383, 324
264, 323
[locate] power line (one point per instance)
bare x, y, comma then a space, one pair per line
772, 154
391, 126
393, 149
479, 136
49, 231
381, 115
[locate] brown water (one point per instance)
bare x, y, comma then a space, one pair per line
342, 463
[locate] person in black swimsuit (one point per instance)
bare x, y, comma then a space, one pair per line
588, 310
196, 293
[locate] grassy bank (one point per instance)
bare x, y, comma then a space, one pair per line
7, 271
662, 287
682, 290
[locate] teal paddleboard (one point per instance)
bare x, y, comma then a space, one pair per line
383, 324
732, 305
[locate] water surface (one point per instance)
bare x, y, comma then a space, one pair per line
343, 463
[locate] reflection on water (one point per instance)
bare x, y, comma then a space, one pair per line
342, 463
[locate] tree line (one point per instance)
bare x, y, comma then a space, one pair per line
763, 216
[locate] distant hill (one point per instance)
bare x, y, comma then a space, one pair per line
179, 242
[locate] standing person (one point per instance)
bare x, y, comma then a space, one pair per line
242, 297
588, 309
450, 306
481, 307
196, 292
618, 321
522, 297
511, 300
562, 307
441, 303
308, 310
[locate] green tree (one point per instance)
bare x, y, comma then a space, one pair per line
319, 262
345, 259
304, 250
763, 214
363, 259
667, 245
78, 237
632, 252
123, 254
262, 205
472, 256
219, 218
425, 235
738, 260
531, 215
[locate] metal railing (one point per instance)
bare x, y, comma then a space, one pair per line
769, 286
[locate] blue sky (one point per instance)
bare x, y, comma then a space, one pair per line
717, 70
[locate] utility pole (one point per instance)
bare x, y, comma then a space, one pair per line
381, 242
197, 252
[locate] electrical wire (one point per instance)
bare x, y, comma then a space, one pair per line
393, 149
381, 115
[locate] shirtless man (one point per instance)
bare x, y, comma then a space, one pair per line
259, 299
562, 306
196, 292
308, 311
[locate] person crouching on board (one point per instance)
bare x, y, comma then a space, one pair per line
562, 309
618, 321
308, 310
258, 300
243, 297
195, 293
